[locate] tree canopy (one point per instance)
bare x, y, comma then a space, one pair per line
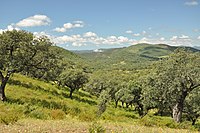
21, 51
172, 79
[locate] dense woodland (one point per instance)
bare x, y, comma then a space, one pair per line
141, 78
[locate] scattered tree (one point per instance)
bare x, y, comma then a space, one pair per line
21, 51
74, 79
172, 80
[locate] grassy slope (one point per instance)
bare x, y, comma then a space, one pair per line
31, 101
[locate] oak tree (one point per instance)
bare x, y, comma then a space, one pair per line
21, 51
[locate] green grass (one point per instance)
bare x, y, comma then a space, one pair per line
32, 103
37, 99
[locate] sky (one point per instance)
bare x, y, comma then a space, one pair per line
95, 24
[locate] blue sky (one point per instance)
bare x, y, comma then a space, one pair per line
92, 24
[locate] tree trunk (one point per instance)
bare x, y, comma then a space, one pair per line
122, 104
71, 92
178, 108
116, 103
140, 109
193, 121
2, 88
177, 112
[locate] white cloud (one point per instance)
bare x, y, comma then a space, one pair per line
76, 39
9, 28
79, 22
182, 40
178, 38
173, 38
144, 32
184, 37
90, 34
136, 34
60, 29
36, 20
129, 31
68, 26
144, 40
12, 27
92, 39
162, 39
98, 50
1, 31
192, 3
64, 39
77, 44
123, 39
77, 25
42, 33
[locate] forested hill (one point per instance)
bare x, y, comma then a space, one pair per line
68, 55
132, 57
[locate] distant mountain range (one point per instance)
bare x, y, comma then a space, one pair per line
139, 55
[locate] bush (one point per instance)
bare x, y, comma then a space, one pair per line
9, 113
87, 116
28, 108
96, 127
8, 118
151, 120
39, 114
57, 114
74, 111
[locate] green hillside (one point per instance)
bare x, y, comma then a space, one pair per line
134, 57
66, 54
32, 101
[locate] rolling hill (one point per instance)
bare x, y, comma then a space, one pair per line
66, 54
132, 57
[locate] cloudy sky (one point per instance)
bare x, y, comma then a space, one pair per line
94, 24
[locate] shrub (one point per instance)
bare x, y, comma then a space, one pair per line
8, 118
57, 114
87, 116
28, 108
74, 111
10, 113
39, 114
151, 120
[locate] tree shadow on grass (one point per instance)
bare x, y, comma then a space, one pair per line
31, 86
84, 100
39, 103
